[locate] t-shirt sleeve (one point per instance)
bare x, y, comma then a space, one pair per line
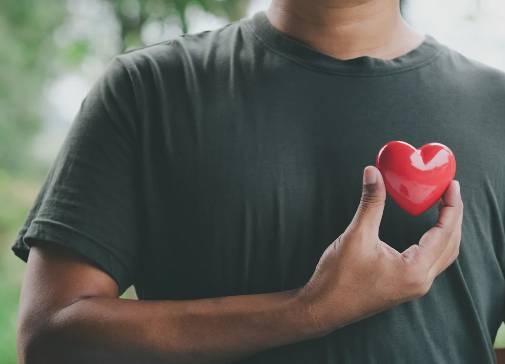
88, 201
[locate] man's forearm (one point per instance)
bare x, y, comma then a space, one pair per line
210, 330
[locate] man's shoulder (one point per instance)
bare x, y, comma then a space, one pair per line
475, 72
198, 49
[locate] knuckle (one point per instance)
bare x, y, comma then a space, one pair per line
371, 199
417, 283
337, 242
423, 289
455, 255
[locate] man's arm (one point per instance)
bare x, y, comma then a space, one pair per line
70, 311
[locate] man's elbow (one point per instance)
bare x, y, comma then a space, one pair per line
36, 340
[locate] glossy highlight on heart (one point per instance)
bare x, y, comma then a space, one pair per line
416, 178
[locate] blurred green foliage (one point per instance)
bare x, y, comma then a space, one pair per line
26, 62
30, 58
16, 196
134, 14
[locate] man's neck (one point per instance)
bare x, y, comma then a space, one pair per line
346, 29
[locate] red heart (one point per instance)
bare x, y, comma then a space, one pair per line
416, 178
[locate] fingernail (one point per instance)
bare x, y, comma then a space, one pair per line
369, 176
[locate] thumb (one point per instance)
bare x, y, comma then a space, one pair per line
373, 198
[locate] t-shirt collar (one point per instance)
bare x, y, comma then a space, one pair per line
298, 51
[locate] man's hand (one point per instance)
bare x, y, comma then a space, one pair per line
359, 274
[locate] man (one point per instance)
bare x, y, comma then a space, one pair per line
219, 173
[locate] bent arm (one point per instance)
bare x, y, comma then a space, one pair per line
70, 312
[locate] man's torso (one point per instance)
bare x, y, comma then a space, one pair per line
251, 166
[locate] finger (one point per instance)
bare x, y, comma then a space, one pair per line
451, 199
410, 253
450, 212
452, 251
439, 244
368, 215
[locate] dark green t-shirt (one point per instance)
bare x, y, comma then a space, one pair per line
224, 162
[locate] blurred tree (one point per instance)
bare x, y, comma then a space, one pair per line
134, 14
27, 49
29, 58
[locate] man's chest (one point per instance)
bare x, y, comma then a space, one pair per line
246, 195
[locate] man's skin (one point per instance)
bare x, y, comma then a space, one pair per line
346, 29
70, 311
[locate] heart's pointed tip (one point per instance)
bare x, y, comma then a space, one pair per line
414, 214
